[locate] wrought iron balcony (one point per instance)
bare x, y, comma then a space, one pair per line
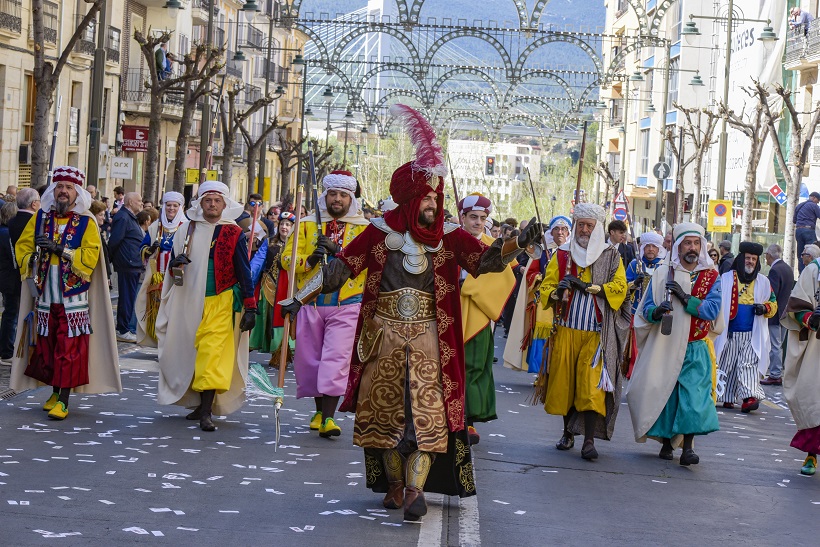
250, 36
11, 15
233, 68
252, 94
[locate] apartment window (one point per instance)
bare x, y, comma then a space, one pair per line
50, 26
677, 21
644, 151
674, 83
648, 88
184, 46
31, 101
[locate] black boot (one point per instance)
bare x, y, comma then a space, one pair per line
205, 422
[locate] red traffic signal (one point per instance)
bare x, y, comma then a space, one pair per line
490, 165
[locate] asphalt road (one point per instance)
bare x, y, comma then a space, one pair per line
123, 469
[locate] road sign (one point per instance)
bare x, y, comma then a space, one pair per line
620, 198
619, 214
661, 170
719, 217
779, 195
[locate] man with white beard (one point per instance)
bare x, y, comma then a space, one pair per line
743, 348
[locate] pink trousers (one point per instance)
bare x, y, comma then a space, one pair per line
324, 346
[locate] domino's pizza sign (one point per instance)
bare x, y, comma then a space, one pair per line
778, 194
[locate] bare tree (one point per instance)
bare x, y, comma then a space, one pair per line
801, 136
291, 151
753, 125
699, 126
609, 182
46, 78
255, 148
231, 120
677, 145
159, 88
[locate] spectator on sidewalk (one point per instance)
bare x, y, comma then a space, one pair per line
98, 210
781, 278
9, 284
617, 237
124, 245
726, 257
28, 203
805, 220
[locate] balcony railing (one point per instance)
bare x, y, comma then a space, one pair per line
252, 94
802, 42
112, 49
86, 44
49, 34
233, 68
250, 36
259, 69
11, 15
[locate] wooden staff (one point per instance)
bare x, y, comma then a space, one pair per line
283, 353
209, 151
581, 164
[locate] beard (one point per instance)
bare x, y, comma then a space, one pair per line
748, 270
427, 217
61, 206
337, 210
691, 257
583, 241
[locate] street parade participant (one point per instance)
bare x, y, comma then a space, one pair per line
271, 285
324, 338
743, 348
586, 285
156, 251
801, 376
639, 271
532, 323
482, 301
670, 392
406, 381
65, 332
203, 348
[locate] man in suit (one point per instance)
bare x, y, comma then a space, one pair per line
781, 277
617, 237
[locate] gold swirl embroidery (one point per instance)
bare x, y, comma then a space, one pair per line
441, 257
442, 287
379, 253
408, 331
461, 452
466, 478
357, 262
443, 321
372, 468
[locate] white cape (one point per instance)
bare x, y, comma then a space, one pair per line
760, 326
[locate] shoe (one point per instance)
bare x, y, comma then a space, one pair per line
196, 414
316, 421
728, 405
769, 381
394, 499
809, 466
473, 435
5, 361
59, 412
415, 506
689, 457
206, 423
588, 451
666, 453
749, 405
566, 442
329, 429
51, 402
128, 337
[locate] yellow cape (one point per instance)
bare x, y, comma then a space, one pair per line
483, 298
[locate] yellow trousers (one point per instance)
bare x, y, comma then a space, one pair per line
214, 344
572, 380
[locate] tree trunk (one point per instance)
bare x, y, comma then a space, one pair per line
228, 140
697, 182
41, 148
748, 201
182, 145
150, 179
254, 150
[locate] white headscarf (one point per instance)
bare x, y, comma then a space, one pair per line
174, 197
74, 176
652, 238
231, 212
343, 181
691, 229
597, 241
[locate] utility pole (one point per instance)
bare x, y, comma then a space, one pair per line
260, 178
724, 138
205, 127
97, 90
662, 141
622, 173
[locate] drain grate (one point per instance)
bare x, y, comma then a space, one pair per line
7, 394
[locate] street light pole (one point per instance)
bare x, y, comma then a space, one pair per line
260, 179
205, 128
97, 90
661, 147
622, 173
723, 142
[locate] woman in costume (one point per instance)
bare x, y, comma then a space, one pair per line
156, 250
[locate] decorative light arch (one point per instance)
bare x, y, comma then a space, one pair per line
464, 115
545, 74
557, 37
467, 33
374, 28
434, 89
523, 99
387, 67
461, 96
316, 39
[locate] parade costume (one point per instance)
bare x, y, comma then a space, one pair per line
801, 376
639, 273
582, 381
271, 285
156, 251
482, 301
406, 381
743, 349
531, 324
203, 349
65, 331
324, 337
671, 390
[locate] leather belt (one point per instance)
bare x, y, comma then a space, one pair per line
809, 227
406, 305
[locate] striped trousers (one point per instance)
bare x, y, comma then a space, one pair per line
738, 370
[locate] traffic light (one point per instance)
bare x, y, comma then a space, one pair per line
490, 170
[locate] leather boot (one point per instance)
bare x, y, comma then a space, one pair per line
418, 466
415, 506
205, 422
394, 468
195, 414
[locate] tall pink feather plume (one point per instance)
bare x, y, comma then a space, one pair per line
429, 155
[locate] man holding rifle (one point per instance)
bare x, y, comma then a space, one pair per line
670, 392
324, 338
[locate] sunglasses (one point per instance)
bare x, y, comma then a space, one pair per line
255, 203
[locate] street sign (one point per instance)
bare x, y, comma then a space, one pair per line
134, 138
779, 195
619, 214
122, 168
620, 198
661, 170
719, 218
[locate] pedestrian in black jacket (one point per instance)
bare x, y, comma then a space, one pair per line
726, 256
124, 246
28, 203
9, 284
781, 277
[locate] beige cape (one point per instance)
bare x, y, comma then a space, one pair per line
801, 376
660, 357
178, 318
103, 360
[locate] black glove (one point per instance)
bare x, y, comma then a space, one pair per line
531, 234
760, 309
330, 247
639, 280
316, 257
675, 288
661, 310
562, 287
49, 245
291, 308
814, 320
575, 283
153, 248
180, 260
248, 320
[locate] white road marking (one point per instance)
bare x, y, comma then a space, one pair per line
432, 522
469, 533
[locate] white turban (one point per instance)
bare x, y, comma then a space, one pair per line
231, 212
343, 181
652, 238
684, 229
74, 176
171, 197
597, 241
